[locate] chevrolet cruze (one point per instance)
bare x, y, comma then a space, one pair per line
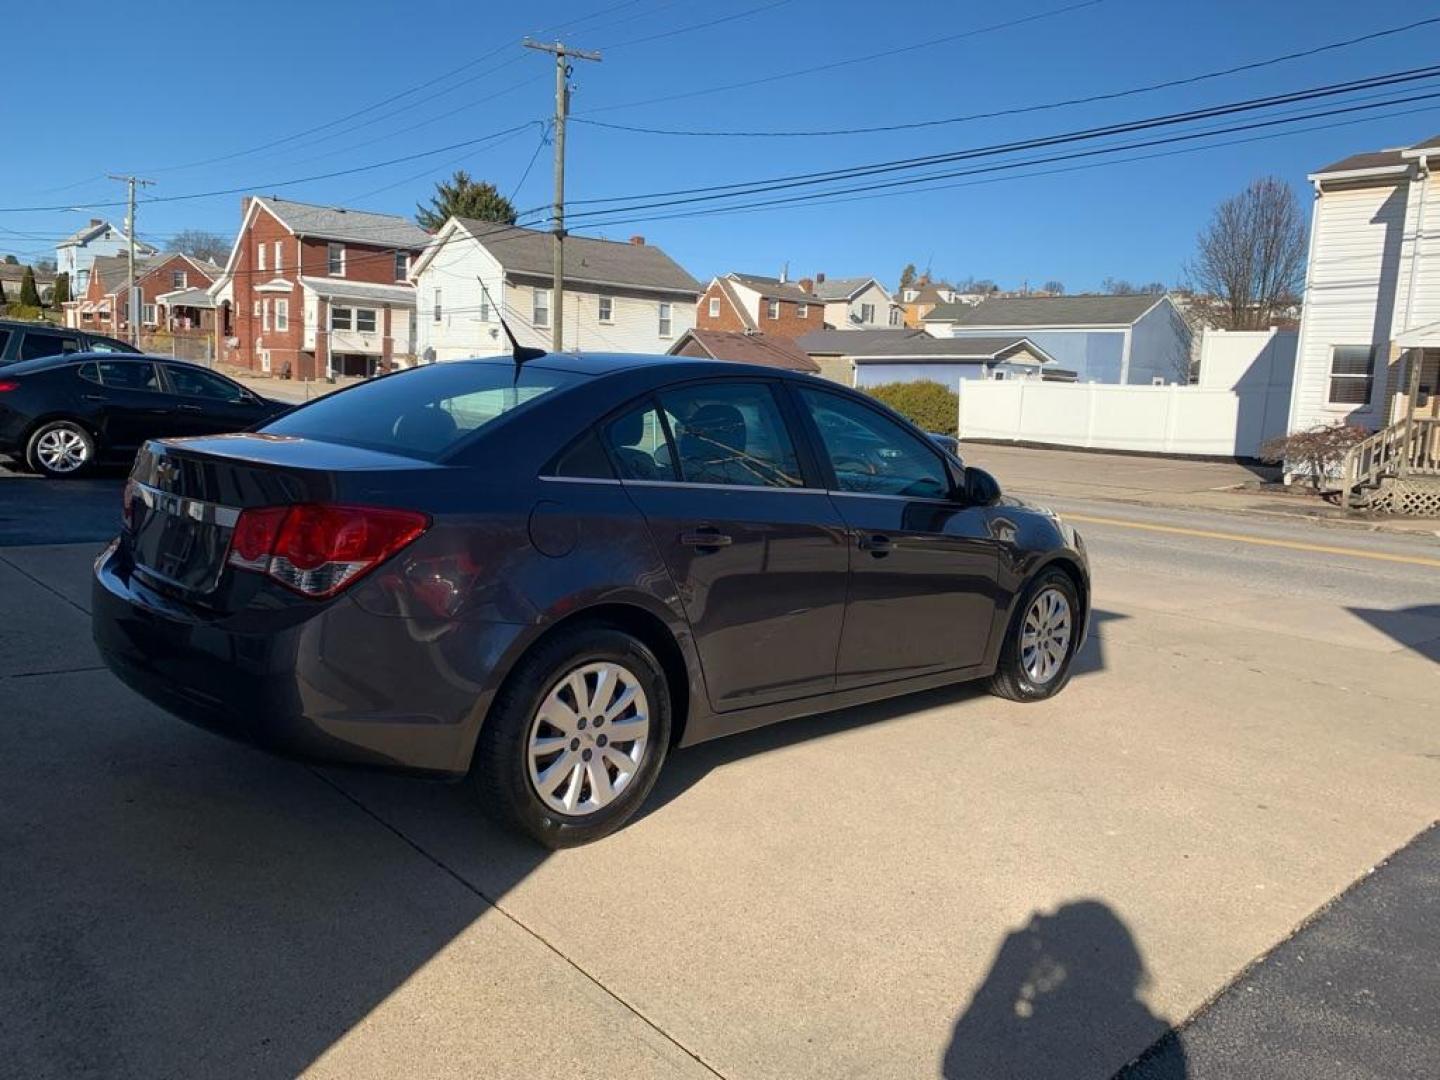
544, 576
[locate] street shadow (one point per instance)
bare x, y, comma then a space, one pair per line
1417, 628
1091, 657
1061, 1001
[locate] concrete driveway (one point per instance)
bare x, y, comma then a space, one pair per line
942, 884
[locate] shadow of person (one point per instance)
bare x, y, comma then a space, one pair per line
1060, 1001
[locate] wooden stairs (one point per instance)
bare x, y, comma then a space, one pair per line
1394, 471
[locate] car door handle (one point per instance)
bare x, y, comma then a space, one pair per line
188, 408
701, 539
93, 397
878, 546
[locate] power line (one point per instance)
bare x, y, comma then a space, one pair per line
914, 182
697, 26
280, 183
795, 74
1021, 109
723, 191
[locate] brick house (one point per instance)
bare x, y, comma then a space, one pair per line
314, 291
104, 305
748, 303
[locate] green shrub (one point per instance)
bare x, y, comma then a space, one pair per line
931, 406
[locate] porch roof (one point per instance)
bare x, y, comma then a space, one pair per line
360, 291
1420, 337
192, 298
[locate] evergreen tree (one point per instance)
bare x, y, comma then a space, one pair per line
29, 294
62, 289
463, 197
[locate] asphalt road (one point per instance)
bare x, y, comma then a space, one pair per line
942, 885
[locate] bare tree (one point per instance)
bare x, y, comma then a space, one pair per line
1057, 288
199, 244
1250, 259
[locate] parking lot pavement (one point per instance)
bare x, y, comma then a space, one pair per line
945, 883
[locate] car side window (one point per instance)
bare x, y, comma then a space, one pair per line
585, 458
4, 340
36, 344
128, 375
197, 382
639, 447
872, 454
731, 433
90, 373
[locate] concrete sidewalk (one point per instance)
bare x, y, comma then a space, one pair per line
1164, 482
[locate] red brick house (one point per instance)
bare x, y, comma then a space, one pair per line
748, 303
315, 291
162, 279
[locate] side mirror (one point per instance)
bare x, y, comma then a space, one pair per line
981, 489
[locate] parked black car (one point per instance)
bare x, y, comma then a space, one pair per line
543, 577
31, 341
62, 414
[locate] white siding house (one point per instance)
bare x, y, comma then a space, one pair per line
75, 255
1372, 292
619, 297
858, 303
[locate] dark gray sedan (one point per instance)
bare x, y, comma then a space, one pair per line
545, 577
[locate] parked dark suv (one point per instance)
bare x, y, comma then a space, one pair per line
543, 577
31, 341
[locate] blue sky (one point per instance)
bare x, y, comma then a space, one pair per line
220, 80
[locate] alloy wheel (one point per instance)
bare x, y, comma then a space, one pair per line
1045, 636
61, 450
588, 738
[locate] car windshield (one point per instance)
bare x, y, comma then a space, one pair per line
421, 413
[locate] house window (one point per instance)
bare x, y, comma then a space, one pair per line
802, 311
772, 309
607, 309
177, 279
895, 316
1157, 380
335, 260
998, 375
260, 257
365, 320
341, 318
279, 258
484, 304
540, 311
665, 325
714, 307
867, 313
402, 265
149, 314
438, 311
265, 312
282, 314
256, 313
1352, 375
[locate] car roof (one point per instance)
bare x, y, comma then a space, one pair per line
44, 363
663, 366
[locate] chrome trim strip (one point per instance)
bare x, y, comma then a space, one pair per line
726, 487
207, 513
580, 480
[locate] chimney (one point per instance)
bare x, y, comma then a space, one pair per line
820, 279
638, 241
94, 221
806, 284
785, 272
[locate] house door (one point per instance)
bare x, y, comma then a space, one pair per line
1427, 400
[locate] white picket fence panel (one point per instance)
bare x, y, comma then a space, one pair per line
1158, 419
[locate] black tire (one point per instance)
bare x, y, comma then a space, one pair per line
1011, 680
36, 458
500, 773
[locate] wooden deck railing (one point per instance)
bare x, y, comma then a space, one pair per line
1405, 448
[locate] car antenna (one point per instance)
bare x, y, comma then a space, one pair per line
521, 353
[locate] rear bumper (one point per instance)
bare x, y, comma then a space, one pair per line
341, 686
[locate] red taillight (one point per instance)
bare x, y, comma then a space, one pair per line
7, 385
317, 550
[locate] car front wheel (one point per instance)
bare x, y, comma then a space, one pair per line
1040, 644
60, 448
576, 737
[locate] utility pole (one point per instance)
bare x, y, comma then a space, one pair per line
131, 300
562, 109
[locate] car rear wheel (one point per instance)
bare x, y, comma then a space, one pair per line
1040, 644
60, 448
575, 738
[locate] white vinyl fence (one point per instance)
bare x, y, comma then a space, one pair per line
1158, 419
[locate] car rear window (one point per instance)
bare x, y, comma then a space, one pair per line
421, 413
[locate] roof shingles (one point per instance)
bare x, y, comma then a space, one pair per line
1042, 311
602, 262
